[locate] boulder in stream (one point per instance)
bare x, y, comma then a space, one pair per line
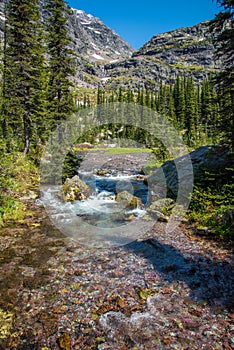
75, 189
127, 200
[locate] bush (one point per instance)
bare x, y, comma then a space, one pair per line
18, 175
212, 205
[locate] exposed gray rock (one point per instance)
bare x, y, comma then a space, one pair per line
186, 46
163, 205
161, 208
206, 158
93, 39
183, 52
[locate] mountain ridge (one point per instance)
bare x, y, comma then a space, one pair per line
187, 51
103, 57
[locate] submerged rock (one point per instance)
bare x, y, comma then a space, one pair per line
75, 189
101, 172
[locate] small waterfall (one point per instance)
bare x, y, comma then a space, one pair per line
115, 184
101, 210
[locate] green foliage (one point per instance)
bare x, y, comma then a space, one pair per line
223, 27
151, 166
192, 109
18, 175
212, 203
72, 161
61, 63
189, 69
23, 74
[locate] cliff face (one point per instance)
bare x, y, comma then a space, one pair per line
90, 36
181, 52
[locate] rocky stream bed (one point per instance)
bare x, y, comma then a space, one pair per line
162, 291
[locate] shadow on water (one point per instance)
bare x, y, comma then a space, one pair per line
209, 281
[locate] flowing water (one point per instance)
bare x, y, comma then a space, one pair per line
100, 212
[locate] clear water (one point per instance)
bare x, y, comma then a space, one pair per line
99, 220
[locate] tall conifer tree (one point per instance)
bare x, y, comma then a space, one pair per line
223, 25
23, 71
179, 101
61, 62
190, 110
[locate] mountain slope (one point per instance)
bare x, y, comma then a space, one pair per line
93, 42
181, 52
186, 46
93, 39
104, 57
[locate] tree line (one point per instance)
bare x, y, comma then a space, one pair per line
37, 91
195, 110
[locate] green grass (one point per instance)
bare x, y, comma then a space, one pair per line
117, 150
127, 150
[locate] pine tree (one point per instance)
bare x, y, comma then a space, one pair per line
3, 77
190, 109
170, 104
209, 107
23, 85
61, 62
223, 26
162, 100
120, 95
100, 95
179, 102
147, 98
130, 96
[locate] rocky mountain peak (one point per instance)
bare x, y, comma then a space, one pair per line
104, 57
92, 38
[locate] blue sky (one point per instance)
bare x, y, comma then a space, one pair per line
137, 21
